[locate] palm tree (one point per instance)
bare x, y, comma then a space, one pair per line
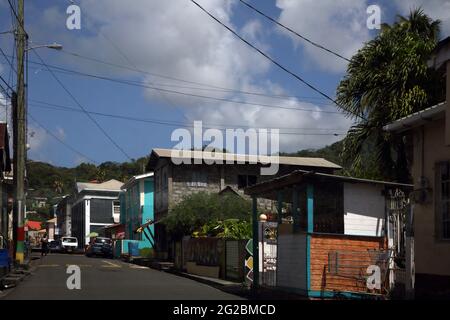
58, 186
386, 80
100, 175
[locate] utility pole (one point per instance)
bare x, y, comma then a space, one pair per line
19, 139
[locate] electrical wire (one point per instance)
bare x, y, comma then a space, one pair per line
60, 140
294, 32
204, 86
265, 55
82, 108
143, 85
179, 124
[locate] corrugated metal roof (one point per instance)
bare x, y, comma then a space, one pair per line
417, 118
110, 185
298, 175
292, 161
136, 178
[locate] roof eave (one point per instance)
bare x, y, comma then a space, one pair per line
417, 119
298, 176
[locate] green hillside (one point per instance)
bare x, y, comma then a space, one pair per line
52, 182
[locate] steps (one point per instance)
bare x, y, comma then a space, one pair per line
162, 265
13, 278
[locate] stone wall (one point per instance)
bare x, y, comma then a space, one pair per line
173, 182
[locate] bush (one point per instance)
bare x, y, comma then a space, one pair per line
231, 229
198, 209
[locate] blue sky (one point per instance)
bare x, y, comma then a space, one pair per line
176, 39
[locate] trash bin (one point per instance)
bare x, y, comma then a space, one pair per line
133, 249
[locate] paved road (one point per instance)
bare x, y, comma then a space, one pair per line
108, 279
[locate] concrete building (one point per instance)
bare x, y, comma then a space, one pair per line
64, 216
6, 186
52, 232
95, 206
428, 132
136, 209
175, 181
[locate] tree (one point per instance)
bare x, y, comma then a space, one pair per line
386, 80
199, 209
58, 186
100, 175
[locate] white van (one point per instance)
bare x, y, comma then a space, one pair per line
69, 244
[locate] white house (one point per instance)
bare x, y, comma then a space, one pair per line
96, 205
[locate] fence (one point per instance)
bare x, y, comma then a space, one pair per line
209, 254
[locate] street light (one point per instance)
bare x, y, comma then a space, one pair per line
55, 46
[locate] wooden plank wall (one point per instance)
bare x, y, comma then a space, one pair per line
321, 279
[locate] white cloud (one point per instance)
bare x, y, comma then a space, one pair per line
436, 9
338, 25
60, 133
37, 138
309, 124
175, 38
79, 160
3, 108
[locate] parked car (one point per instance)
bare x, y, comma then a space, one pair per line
100, 246
69, 244
55, 246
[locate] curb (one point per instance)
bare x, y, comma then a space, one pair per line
237, 289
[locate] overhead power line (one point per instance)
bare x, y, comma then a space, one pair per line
293, 31
18, 21
60, 140
265, 55
82, 108
146, 86
7, 85
7, 60
52, 106
204, 86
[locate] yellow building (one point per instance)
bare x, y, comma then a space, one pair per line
429, 134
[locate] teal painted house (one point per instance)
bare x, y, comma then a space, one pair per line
136, 209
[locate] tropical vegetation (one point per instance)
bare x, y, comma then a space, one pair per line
209, 214
386, 80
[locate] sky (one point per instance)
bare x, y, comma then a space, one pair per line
168, 40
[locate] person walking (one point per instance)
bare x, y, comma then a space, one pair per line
44, 245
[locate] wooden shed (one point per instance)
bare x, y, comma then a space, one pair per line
332, 232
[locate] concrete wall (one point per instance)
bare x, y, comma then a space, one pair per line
432, 255
172, 182
364, 209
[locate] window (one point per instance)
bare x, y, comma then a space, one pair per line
199, 179
443, 197
246, 181
101, 211
165, 182
116, 207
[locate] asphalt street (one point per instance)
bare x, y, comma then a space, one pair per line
103, 279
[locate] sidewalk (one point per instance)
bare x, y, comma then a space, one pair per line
16, 274
236, 288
